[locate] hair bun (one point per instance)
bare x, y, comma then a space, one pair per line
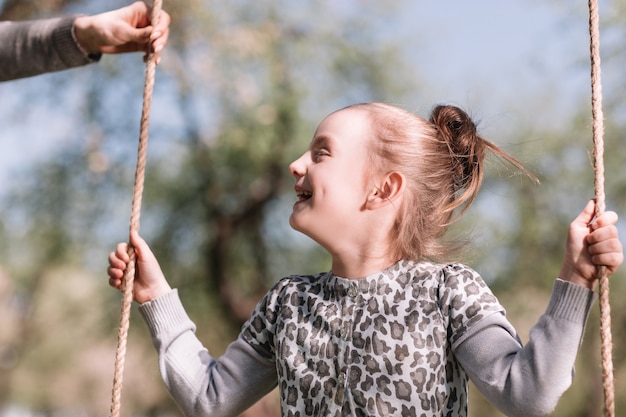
467, 149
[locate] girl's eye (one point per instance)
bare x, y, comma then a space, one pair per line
319, 153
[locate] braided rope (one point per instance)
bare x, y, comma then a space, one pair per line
598, 153
129, 273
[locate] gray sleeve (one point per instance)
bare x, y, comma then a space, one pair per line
200, 384
528, 380
34, 47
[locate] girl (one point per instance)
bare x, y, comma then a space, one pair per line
392, 329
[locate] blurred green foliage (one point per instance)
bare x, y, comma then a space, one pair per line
240, 91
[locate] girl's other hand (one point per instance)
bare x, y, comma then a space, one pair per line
591, 242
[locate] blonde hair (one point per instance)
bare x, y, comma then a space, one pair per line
442, 161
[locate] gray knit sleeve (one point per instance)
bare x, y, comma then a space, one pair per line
200, 384
528, 380
34, 47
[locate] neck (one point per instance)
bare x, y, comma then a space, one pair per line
363, 255
359, 266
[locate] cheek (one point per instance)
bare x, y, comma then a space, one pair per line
341, 188
339, 202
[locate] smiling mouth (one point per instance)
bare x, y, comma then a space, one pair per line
303, 195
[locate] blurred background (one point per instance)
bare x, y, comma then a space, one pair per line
241, 87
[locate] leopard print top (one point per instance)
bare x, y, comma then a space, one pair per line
378, 346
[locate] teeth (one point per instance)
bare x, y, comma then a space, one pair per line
303, 195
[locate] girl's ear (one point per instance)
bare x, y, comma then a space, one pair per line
390, 189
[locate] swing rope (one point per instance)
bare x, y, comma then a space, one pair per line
598, 153
129, 273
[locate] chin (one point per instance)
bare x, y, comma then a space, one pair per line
293, 223
298, 227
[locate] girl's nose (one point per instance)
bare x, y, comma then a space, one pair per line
298, 167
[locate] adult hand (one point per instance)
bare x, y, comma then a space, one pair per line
591, 242
123, 30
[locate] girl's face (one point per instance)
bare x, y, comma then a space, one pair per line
331, 179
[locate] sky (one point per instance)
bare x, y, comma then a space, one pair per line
507, 52
495, 58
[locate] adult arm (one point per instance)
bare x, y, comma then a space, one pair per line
34, 47
527, 380
200, 384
